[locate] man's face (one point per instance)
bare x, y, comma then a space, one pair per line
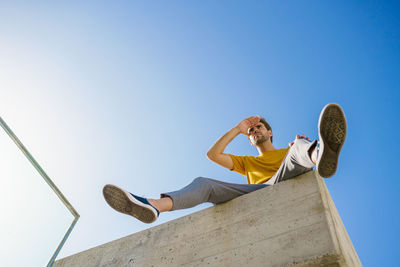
258, 134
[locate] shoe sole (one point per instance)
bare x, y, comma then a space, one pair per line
332, 127
121, 201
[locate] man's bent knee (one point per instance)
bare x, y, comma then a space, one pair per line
200, 180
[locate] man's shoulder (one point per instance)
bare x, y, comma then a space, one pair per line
243, 156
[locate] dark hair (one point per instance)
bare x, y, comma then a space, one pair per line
263, 121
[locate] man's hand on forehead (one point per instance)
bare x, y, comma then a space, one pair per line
247, 123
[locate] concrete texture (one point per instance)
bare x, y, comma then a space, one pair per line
293, 223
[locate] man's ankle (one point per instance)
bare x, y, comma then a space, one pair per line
162, 204
313, 153
154, 203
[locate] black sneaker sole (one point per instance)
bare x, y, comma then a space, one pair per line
332, 127
121, 201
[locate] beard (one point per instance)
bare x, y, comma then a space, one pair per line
261, 140
256, 140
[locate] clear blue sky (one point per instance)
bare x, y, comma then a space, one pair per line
135, 94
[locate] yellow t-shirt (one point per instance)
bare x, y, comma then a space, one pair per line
259, 169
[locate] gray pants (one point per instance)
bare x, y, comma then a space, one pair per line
297, 161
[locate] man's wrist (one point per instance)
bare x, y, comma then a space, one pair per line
237, 130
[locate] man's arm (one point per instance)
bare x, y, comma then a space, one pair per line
216, 152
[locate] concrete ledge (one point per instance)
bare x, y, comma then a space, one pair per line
293, 223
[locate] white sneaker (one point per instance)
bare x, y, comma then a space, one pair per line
332, 128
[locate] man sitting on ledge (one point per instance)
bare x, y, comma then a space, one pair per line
271, 166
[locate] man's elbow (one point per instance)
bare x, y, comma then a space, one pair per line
210, 156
